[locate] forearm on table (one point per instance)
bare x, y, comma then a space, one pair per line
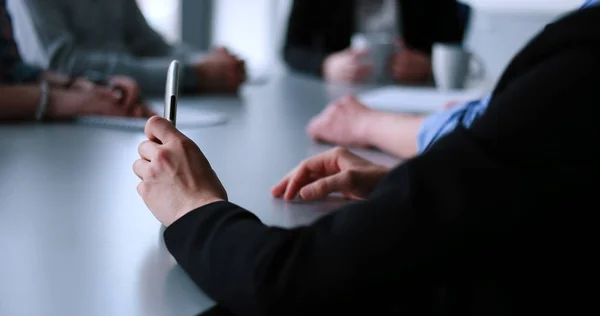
393, 132
19, 102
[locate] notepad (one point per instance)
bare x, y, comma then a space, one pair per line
187, 117
415, 100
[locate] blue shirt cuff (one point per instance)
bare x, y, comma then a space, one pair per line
439, 124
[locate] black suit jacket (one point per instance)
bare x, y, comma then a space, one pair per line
317, 28
494, 220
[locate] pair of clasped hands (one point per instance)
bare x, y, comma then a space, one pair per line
176, 177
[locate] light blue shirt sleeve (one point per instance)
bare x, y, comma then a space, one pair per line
439, 124
590, 3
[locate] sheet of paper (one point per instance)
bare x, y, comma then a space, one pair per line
414, 100
187, 117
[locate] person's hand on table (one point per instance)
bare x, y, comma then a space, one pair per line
128, 91
346, 66
221, 72
176, 177
342, 122
334, 171
128, 88
409, 65
95, 101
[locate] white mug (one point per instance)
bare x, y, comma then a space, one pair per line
452, 66
380, 48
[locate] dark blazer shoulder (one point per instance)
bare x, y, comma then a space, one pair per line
576, 30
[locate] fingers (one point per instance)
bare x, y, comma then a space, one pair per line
359, 53
309, 170
129, 97
107, 94
317, 127
141, 168
159, 129
148, 112
323, 187
148, 150
363, 72
142, 110
279, 189
127, 89
82, 84
348, 99
221, 50
299, 179
137, 111
321, 175
356, 72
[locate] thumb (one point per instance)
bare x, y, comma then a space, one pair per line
323, 187
159, 129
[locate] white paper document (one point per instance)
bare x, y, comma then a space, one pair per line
415, 100
187, 117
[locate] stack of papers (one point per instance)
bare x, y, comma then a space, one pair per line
415, 100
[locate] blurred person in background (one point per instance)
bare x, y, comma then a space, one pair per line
28, 92
112, 37
319, 33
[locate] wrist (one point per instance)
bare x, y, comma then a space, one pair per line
367, 126
194, 205
201, 76
56, 102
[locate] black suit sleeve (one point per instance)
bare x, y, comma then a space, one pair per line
304, 48
430, 216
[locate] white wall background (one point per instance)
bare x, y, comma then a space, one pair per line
248, 27
163, 15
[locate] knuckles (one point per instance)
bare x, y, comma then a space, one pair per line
163, 156
182, 144
152, 173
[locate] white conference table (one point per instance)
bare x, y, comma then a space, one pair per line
76, 239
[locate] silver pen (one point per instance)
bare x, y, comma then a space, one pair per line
172, 92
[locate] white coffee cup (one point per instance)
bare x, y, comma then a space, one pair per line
380, 48
452, 66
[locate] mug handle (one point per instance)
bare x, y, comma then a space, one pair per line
479, 73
